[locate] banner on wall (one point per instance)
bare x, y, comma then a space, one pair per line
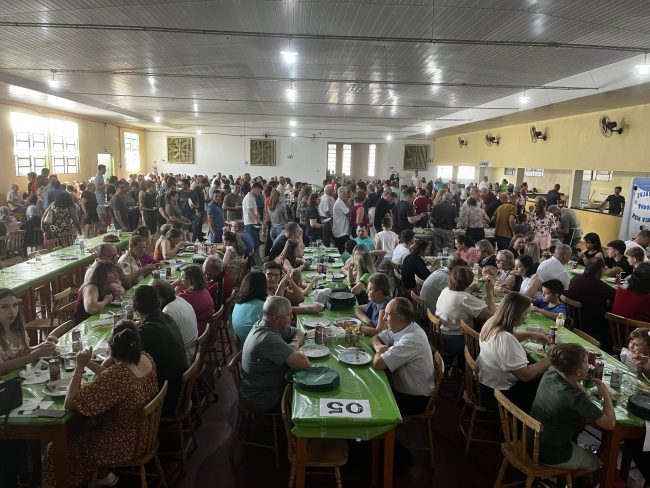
636, 214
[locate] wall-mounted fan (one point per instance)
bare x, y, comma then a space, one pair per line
491, 140
462, 142
608, 126
537, 135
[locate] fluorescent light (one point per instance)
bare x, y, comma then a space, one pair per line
53, 82
427, 129
151, 80
289, 57
293, 123
198, 130
293, 134
292, 94
389, 137
643, 69
157, 118
524, 98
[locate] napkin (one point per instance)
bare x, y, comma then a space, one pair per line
322, 295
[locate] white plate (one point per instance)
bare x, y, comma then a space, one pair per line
354, 357
314, 321
57, 388
576, 271
314, 350
35, 377
355, 321
338, 332
311, 304
313, 274
186, 254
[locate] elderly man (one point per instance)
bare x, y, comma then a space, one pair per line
107, 252
404, 350
130, 260
436, 282
568, 226
218, 283
552, 269
642, 240
341, 220
270, 350
326, 206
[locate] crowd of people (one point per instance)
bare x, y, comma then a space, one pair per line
376, 226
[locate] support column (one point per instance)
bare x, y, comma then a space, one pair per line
575, 188
480, 173
519, 176
454, 173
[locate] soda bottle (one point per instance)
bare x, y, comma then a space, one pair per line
559, 321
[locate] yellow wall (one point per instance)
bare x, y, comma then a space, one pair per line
573, 142
605, 225
95, 137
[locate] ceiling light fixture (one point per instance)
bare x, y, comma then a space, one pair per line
293, 134
198, 130
289, 57
389, 137
53, 82
157, 118
152, 81
293, 123
643, 69
292, 94
524, 98
427, 128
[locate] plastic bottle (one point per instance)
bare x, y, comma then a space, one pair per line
197, 245
559, 321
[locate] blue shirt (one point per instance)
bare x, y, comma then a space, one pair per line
247, 239
373, 309
244, 316
366, 241
100, 195
50, 194
559, 308
218, 220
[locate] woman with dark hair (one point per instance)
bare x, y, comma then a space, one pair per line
563, 407
524, 273
169, 246
148, 205
314, 221
358, 213
101, 289
110, 408
359, 272
289, 258
634, 303
502, 362
175, 213
594, 248
466, 250
146, 258
414, 265
517, 244
277, 214
192, 287
88, 204
249, 303
474, 220
60, 216
372, 314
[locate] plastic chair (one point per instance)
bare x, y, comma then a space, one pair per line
321, 453
517, 427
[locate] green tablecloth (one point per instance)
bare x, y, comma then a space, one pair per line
620, 395
358, 383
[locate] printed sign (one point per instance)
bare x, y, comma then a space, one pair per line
636, 213
336, 407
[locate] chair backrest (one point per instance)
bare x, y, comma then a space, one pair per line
285, 407
3, 246
16, 242
148, 429
471, 339
399, 285
420, 309
36, 238
418, 283
66, 239
519, 430
472, 385
65, 313
63, 329
435, 333
5, 263
201, 340
620, 328
64, 297
586, 337
574, 310
439, 373
188, 380
234, 366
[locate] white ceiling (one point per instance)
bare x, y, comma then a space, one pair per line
363, 67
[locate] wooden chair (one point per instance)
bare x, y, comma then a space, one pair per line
321, 453
574, 310
471, 337
218, 347
66, 239
399, 285
63, 329
5, 263
420, 309
180, 422
16, 243
472, 397
517, 428
418, 283
586, 337
244, 415
63, 305
147, 447
204, 388
620, 328
36, 239
51, 244
3, 246
428, 414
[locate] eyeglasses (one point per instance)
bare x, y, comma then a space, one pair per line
273, 275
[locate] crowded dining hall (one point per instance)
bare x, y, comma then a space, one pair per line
315, 244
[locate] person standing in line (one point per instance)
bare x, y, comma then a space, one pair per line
340, 220
504, 217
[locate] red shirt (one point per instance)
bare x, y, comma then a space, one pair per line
631, 305
421, 204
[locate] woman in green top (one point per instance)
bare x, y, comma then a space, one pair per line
174, 213
363, 265
562, 406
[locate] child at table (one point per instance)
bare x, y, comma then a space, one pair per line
549, 305
635, 355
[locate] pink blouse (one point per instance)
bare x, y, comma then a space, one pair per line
202, 303
471, 255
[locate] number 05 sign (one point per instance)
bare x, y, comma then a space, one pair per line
335, 407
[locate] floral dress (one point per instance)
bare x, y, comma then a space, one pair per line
111, 407
9, 351
542, 229
62, 220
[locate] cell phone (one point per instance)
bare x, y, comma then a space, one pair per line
50, 413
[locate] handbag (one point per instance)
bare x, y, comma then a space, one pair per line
11, 395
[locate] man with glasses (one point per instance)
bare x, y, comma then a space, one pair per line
269, 351
107, 252
281, 284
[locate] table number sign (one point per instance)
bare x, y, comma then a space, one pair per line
336, 407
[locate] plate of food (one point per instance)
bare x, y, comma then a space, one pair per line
314, 350
34, 376
314, 274
312, 322
186, 254
348, 322
337, 331
354, 357
576, 271
58, 388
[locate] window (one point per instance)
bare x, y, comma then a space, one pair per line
509, 171
132, 151
41, 142
534, 172
372, 152
347, 159
331, 158
597, 175
466, 173
445, 172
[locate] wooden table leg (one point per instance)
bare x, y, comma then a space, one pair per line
301, 461
374, 460
389, 444
609, 450
60, 456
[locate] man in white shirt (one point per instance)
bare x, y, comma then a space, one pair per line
252, 221
403, 249
415, 179
642, 240
552, 269
326, 205
130, 261
483, 185
341, 220
404, 350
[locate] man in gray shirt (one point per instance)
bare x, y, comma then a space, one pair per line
232, 204
269, 351
436, 282
568, 230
